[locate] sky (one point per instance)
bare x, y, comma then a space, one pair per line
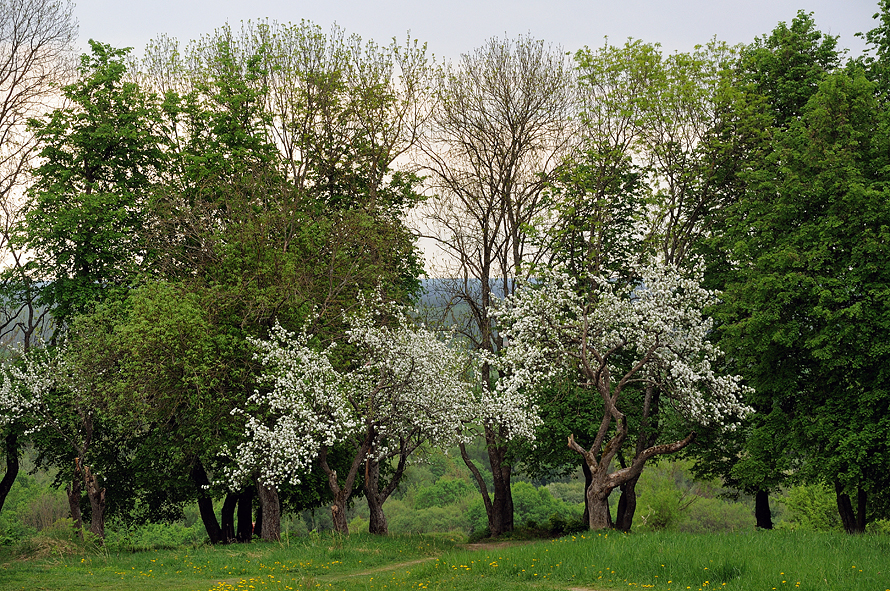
459, 26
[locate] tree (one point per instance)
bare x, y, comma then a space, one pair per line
610, 340
660, 137
792, 196
401, 387
44, 394
87, 206
803, 310
35, 51
82, 223
499, 131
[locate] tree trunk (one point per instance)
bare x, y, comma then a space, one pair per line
377, 495
12, 466
627, 505
598, 503
378, 524
341, 493
338, 514
227, 518
647, 437
271, 524
499, 510
205, 503
245, 515
75, 492
603, 482
762, 513
96, 495
375, 499
854, 521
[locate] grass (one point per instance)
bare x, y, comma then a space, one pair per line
669, 561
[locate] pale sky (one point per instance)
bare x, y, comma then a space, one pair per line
459, 26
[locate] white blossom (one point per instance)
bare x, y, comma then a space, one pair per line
404, 382
555, 326
24, 386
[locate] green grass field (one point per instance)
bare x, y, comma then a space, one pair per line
670, 561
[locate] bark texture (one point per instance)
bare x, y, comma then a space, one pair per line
270, 529
342, 492
603, 482
227, 518
376, 494
627, 505
499, 509
96, 494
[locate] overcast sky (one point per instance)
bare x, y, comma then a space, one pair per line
458, 26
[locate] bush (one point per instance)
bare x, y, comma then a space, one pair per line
359, 525
403, 519
442, 493
810, 507
716, 515
45, 509
533, 508
570, 492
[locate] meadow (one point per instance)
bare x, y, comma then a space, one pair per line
769, 560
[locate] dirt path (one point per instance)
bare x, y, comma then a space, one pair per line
389, 567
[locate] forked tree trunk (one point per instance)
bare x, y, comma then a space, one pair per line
501, 519
854, 521
603, 482
762, 513
647, 437
377, 495
342, 492
375, 498
271, 506
498, 510
12, 466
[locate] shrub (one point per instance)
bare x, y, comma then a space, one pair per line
570, 492
402, 519
810, 507
532, 507
715, 515
442, 493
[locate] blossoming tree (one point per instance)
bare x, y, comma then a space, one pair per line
402, 386
612, 339
40, 393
